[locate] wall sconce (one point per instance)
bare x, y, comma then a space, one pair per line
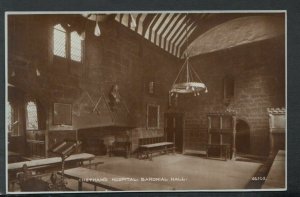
151, 86
37, 72
82, 36
13, 73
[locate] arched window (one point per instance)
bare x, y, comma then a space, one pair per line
67, 44
12, 120
9, 116
59, 41
32, 116
76, 47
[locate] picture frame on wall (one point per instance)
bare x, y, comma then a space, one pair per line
62, 114
153, 116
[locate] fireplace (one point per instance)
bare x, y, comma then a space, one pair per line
99, 141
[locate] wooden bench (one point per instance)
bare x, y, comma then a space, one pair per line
159, 145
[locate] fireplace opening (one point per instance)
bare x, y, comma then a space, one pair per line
242, 137
106, 140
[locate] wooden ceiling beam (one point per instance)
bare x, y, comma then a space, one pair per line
182, 36
175, 36
168, 30
165, 28
121, 17
182, 43
152, 25
147, 22
141, 22
159, 26
137, 21
172, 30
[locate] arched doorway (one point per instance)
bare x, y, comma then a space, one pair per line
242, 137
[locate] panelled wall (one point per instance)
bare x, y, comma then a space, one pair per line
195, 135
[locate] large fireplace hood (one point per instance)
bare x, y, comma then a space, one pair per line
110, 119
89, 113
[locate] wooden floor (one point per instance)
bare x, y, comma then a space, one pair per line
182, 172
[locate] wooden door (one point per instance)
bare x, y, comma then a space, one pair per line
174, 129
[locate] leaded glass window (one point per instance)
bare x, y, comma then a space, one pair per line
67, 44
12, 120
32, 116
76, 46
59, 41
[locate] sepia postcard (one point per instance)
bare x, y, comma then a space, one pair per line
144, 101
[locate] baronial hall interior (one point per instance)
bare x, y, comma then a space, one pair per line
145, 101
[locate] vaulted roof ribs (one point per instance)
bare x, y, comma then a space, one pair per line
168, 30
165, 30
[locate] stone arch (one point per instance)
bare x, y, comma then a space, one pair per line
243, 144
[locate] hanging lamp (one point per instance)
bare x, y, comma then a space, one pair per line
97, 31
98, 18
187, 80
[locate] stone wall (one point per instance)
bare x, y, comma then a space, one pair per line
118, 56
259, 74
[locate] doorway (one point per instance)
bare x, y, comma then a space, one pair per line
242, 137
174, 129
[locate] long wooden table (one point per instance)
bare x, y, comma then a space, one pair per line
149, 149
109, 181
40, 163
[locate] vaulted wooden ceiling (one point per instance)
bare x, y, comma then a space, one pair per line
169, 30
